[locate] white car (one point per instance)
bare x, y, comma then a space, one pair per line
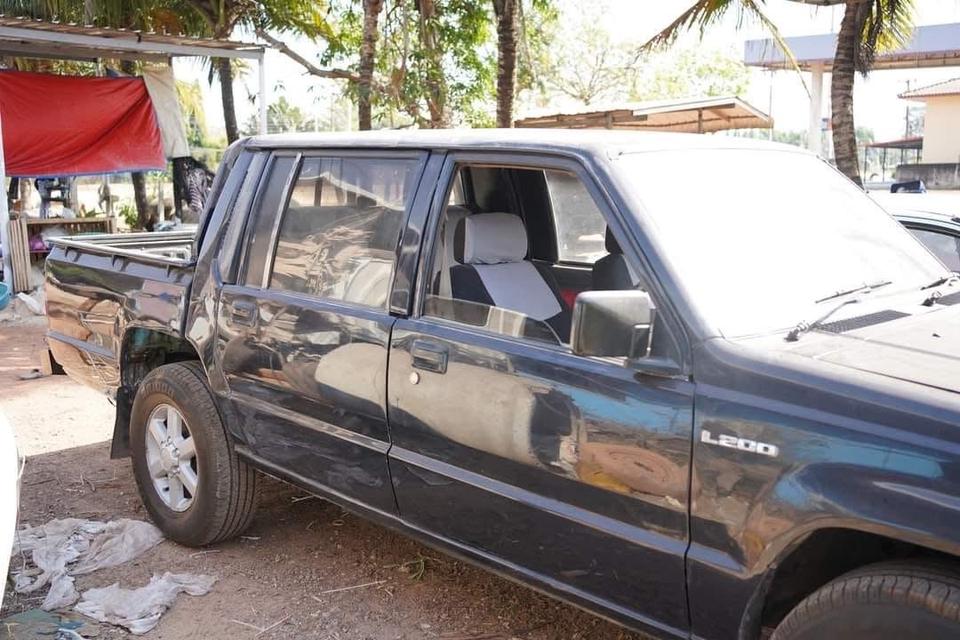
9, 495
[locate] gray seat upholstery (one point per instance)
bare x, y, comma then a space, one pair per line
445, 255
492, 269
612, 272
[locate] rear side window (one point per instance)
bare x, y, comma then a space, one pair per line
339, 234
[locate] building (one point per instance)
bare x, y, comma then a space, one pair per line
940, 165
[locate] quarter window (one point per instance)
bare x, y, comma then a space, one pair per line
580, 225
339, 234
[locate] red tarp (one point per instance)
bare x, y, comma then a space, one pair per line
67, 125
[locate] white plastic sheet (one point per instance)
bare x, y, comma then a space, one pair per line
65, 548
139, 610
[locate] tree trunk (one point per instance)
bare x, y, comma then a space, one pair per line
138, 178
841, 90
368, 54
433, 60
225, 71
140, 198
506, 13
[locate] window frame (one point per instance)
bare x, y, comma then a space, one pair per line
301, 154
456, 160
931, 227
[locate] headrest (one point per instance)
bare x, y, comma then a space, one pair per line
611, 244
490, 238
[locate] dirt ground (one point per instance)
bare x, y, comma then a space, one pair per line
291, 574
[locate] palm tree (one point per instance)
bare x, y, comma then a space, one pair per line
368, 55
506, 14
868, 27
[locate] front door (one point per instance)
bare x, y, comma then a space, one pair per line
571, 470
304, 335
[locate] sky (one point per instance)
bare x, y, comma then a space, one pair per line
782, 93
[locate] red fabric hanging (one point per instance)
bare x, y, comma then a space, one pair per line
68, 125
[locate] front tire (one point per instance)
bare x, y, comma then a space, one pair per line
887, 601
193, 484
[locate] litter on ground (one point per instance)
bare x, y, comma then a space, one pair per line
62, 549
139, 610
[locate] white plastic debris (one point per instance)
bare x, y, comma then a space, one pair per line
139, 610
65, 548
33, 301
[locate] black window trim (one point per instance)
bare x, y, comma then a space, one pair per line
255, 212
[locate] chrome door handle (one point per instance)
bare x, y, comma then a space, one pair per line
429, 356
243, 312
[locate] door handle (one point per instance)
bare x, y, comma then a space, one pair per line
429, 356
243, 312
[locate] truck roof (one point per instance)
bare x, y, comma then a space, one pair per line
590, 141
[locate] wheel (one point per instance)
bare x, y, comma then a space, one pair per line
193, 484
888, 601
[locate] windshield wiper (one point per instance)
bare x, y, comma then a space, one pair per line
804, 326
865, 288
931, 299
940, 281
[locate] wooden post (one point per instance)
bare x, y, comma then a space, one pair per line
5, 219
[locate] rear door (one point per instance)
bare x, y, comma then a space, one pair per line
569, 470
305, 331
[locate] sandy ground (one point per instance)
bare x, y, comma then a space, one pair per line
282, 574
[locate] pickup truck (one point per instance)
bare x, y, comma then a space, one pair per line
700, 386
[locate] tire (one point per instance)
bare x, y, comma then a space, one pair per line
226, 489
887, 601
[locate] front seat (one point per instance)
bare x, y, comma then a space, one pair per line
611, 272
491, 250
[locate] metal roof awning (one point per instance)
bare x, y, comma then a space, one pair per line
931, 46
903, 143
26, 37
702, 115
29, 38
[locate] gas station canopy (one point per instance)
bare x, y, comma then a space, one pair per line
935, 45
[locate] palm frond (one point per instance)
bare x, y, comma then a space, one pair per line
887, 25
702, 15
706, 13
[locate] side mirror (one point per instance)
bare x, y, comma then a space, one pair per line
615, 324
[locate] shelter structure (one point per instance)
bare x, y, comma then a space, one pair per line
931, 46
24, 37
691, 115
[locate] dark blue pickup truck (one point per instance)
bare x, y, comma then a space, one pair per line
699, 386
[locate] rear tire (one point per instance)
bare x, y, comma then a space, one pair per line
225, 489
888, 601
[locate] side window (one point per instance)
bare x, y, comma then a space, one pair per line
264, 216
339, 234
580, 226
484, 270
943, 245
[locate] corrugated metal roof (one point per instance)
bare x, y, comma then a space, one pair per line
28, 37
690, 115
945, 88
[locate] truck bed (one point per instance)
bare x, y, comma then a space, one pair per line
100, 286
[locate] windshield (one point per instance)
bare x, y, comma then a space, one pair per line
757, 237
